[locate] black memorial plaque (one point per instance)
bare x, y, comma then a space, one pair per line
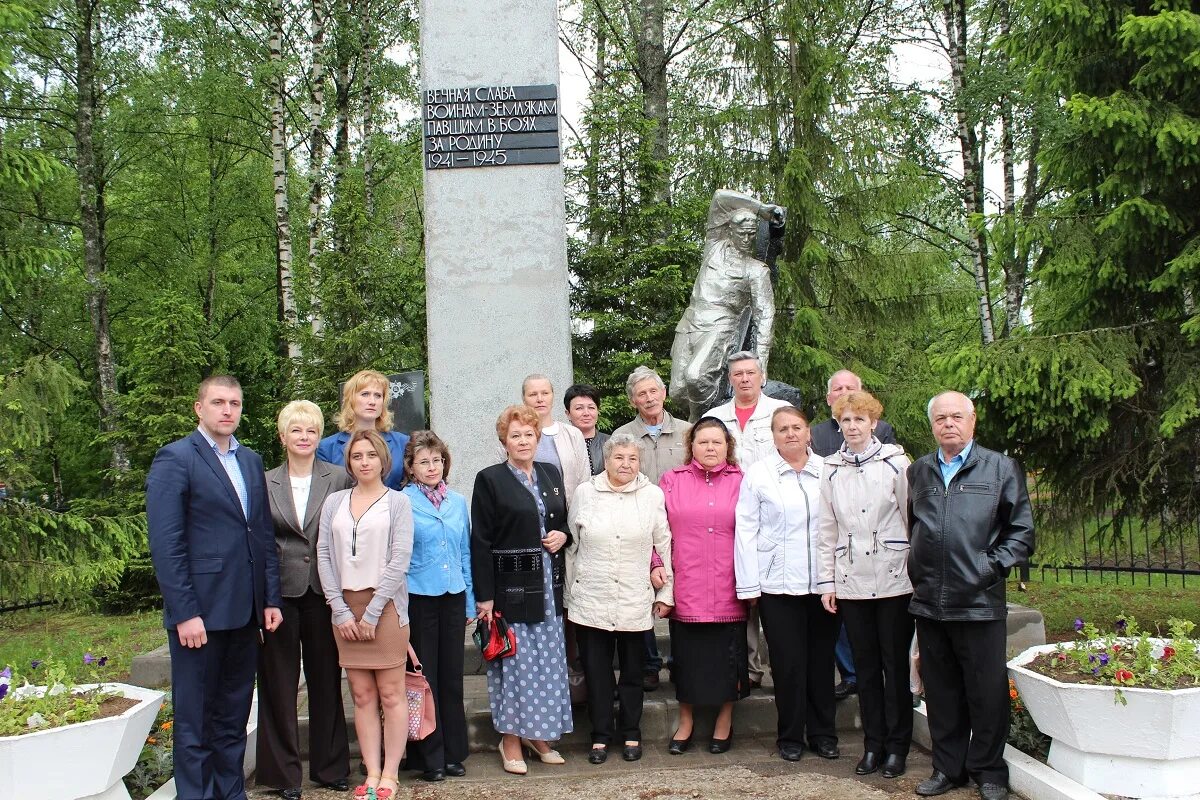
490, 126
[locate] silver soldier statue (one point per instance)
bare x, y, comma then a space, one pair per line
732, 306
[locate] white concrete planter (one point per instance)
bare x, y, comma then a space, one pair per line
84, 760
1149, 747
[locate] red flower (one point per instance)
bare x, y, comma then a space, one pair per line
1062, 656
1123, 676
1168, 652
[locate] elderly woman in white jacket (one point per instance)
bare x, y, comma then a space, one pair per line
864, 576
618, 518
775, 562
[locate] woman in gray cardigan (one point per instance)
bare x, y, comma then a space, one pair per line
363, 551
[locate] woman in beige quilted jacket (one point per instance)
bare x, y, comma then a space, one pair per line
617, 518
863, 574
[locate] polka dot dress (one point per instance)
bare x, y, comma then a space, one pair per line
528, 691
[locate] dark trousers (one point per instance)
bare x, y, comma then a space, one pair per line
305, 637
211, 687
800, 638
596, 647
844, 657
880, 633
966, 690
437, 630
653, 661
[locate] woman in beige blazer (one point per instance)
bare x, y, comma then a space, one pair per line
297, 489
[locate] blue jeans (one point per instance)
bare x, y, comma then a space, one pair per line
844, 657
653, 659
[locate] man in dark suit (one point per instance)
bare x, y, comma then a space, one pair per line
214, 556
827, 439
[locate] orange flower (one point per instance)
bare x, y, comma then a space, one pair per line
1012, 694
166, 726
151, 740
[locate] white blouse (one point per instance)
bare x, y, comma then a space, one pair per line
361, 548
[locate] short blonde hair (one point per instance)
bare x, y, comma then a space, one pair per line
347, 420
859, 403
785, 411
302, 412
518, 413
381, 449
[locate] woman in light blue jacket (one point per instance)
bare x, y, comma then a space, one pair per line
441, 600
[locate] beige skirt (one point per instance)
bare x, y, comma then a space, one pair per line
388, 649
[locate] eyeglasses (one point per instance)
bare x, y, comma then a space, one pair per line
430, 462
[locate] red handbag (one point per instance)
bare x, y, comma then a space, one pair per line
496, 640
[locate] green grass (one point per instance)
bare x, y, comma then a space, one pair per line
1102, 599
66, 635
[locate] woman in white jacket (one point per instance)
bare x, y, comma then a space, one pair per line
864, 576
618, 518
775, 561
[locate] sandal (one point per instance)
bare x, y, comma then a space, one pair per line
367, 791
384, 794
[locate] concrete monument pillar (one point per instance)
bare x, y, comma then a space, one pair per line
495, 234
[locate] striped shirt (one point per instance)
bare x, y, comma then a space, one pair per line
232, 468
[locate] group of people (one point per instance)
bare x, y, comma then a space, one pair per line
353, 554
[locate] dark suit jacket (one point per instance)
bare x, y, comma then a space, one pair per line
504, 516
210, 560
827, 437
295, 540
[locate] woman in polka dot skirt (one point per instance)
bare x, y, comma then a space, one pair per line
518, 532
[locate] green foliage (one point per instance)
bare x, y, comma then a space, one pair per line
24, 710
65, 634
156, 762
64, 555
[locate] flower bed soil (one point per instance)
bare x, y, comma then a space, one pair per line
1064, 669
115, 706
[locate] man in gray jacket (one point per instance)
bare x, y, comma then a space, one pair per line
970, 522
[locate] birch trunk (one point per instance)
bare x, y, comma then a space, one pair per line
955, 12
368, 106
283, 225
316, 157
91, 218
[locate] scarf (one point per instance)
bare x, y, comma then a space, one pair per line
858, 459
435, 495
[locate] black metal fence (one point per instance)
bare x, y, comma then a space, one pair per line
21, 589
1109, 541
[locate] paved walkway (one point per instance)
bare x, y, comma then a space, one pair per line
751, 770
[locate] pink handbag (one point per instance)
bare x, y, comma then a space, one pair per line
422, 716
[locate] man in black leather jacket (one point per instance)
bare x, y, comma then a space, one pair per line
970, 522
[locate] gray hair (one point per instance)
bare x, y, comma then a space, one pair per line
932, 400
743, 355
619, 440
829, 383
639, 374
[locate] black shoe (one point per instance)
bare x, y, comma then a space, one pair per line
993, 791
845, 689
791, 752
433, 775
893, 766
632, 752
679, 746
650, 682
455, 770
868, 763
935, 784
288, 794
717, 746
827, 749
340, 785
598, 755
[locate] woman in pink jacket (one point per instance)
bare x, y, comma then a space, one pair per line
708, 625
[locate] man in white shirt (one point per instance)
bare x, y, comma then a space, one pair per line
748, 418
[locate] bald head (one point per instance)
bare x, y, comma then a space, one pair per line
952, 418
841, 382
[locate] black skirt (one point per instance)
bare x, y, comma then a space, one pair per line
709, 665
